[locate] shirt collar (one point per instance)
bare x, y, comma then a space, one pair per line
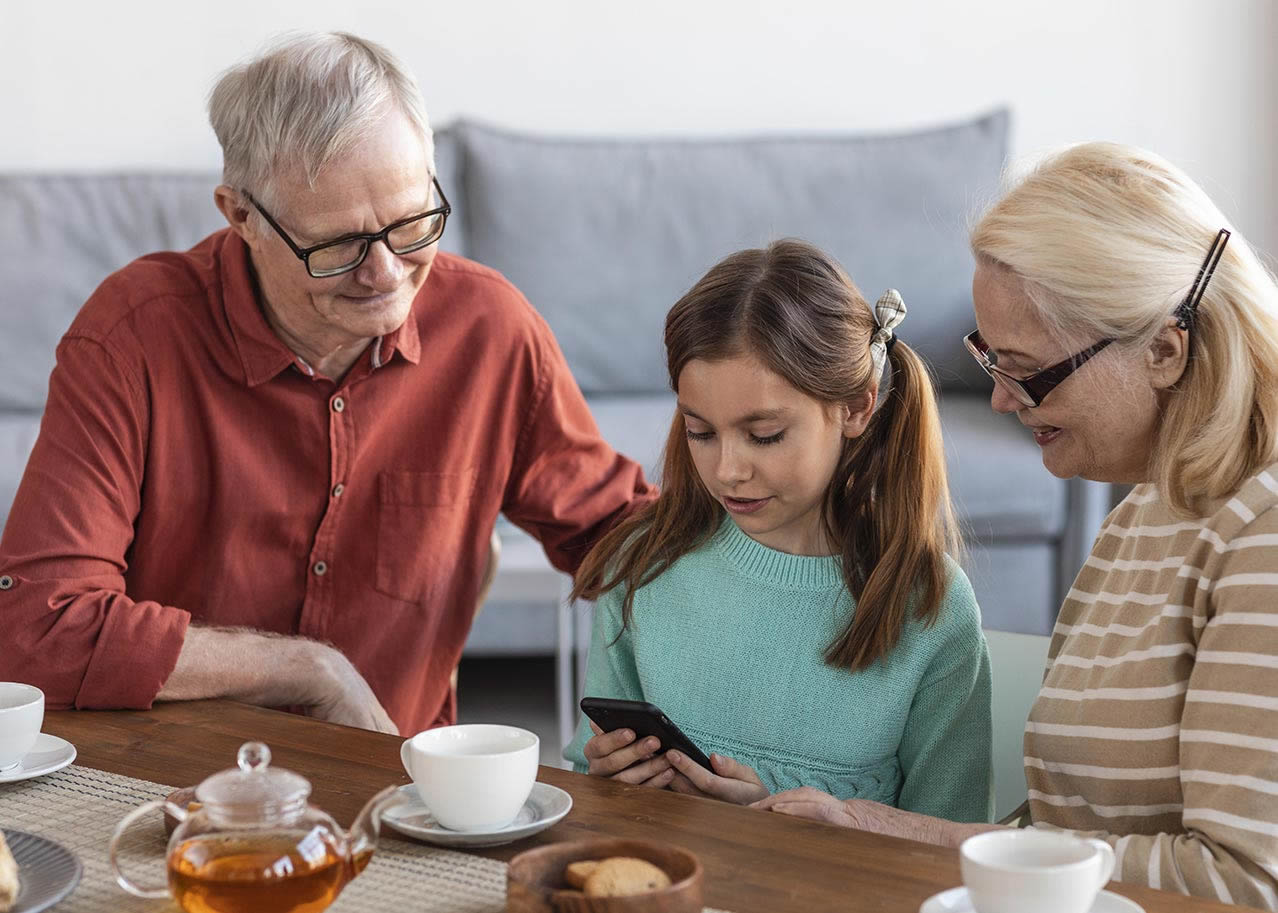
263, 355
406, 340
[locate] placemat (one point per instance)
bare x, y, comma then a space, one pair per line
79, 807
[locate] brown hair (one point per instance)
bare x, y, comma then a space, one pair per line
887, 507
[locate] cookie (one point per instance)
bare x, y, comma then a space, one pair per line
8, 877
624, 876
577, 872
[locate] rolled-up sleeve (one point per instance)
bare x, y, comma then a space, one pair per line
68, 625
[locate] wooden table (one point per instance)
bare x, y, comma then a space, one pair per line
754, 861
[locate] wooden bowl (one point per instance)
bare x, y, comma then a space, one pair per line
182, 798
535, 879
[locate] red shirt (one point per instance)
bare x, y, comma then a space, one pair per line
190, 467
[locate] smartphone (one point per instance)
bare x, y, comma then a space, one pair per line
645, 720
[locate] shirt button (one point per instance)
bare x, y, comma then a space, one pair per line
339, 404
338, 489
320, 568
6, 582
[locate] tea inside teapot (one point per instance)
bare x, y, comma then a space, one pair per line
284, 871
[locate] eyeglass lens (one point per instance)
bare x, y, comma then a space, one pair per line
404, 239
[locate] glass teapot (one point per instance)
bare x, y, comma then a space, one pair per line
255, 844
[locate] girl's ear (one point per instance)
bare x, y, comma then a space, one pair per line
1167, 356
856, 413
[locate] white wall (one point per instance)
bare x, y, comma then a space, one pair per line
122, 84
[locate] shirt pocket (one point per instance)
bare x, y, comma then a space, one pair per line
422, 518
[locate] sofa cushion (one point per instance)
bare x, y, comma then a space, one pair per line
61, 235
1000, 488
636, 425
17, 436
448, 169
603, 236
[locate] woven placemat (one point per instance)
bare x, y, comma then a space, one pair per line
79, 807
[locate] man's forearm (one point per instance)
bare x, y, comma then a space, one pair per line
271, 670
240, 663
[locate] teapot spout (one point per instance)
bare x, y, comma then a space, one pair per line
362, 838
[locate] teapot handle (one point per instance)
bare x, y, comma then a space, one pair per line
123, 880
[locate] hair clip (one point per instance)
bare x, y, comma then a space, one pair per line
1187, 310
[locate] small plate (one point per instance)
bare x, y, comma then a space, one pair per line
49, 754
47, 871
955, 900
546, 805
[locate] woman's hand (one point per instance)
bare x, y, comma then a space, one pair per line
730, 780
864, 815
615, 755
807, 802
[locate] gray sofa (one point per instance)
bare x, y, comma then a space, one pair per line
603, 236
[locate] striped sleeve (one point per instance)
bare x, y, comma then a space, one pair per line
1228, 741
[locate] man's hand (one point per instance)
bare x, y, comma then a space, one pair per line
342, 696
270, 670
730, 780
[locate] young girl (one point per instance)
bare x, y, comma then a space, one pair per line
788, 600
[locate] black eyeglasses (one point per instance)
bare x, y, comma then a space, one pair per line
341, 255
1032, 390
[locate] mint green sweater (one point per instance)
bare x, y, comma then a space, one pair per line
730, 643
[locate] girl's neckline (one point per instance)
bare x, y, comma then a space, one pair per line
804, 572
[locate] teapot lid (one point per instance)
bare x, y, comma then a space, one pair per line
254, 784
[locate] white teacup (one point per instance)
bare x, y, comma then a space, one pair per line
21, 716
474, 777
1012, 871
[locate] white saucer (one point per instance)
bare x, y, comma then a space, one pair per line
546, 805
49, 754
955, 900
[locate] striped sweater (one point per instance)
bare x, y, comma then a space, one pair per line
1157, 724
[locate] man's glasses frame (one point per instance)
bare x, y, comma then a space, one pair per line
305, 253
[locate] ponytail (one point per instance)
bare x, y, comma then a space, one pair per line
889, 509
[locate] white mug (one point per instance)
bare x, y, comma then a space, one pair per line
1014, 871
474, 777
21, 715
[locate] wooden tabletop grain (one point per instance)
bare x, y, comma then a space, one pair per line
754, 860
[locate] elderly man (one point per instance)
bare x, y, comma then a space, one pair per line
270, 465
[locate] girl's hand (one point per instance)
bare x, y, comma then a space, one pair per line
614, 755
730, 780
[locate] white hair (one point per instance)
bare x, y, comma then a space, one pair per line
305, 101
1106, 240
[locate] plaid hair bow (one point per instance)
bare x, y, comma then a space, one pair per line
888, 314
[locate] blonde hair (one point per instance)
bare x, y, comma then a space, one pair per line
305, 101
1107, 240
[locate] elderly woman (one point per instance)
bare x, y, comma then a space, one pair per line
1137, 339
